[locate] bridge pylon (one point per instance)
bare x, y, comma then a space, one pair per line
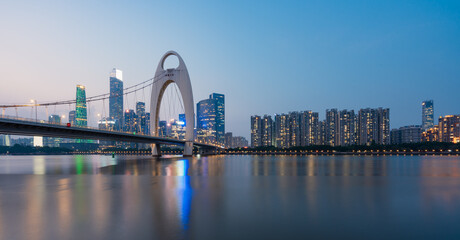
162, 79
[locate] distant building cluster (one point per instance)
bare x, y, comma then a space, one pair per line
447, 129
339, 128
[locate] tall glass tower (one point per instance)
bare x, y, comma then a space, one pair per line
427, 114
206, 120
220, 116
81, 118
116, 97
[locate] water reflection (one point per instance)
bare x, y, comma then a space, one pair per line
99, 197
234, 165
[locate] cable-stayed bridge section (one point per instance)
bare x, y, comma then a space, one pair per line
163, 77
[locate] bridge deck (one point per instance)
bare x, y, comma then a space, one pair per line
28, 128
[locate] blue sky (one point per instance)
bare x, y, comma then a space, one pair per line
267, 57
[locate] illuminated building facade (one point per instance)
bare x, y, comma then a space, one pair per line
309, 128
220, 116
294, 129
449, 128
281, 131
427, 114
267, 131
206, 120
142, 119
256, 131
340, 128
81, 118
374, 125
431, 134
130, 123
347, 128
116, 97
332, 127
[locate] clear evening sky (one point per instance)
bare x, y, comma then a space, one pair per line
267, 57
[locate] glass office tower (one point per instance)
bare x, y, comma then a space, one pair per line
81, 118
220, 116
427, 114
116, 97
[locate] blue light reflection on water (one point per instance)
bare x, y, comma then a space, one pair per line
184, 192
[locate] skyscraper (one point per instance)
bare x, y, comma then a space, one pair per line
427, 114
294, 129
332, 127
220, 116
81, 119
281, 133
206, 119
374, 126
141, 117
116, 97
129, 123
347, 128
256, 131
267, 131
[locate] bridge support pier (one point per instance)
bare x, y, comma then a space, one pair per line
188, 149
156, 150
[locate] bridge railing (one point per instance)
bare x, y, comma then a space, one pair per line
93, 128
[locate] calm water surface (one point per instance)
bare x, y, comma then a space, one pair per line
230, 197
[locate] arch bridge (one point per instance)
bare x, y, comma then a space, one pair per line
163, 77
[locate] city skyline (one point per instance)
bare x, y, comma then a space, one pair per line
334, 55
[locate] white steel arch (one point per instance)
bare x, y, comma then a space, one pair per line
164, 77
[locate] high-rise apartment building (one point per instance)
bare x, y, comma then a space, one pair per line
256, 131
81, 118
281, 131
340, 128
408, 134
267, 131
347, 128
427, 114
431, 134
220, 116
116, 97
293, 129
206, 119
309, 128
332, 127
449, 128
374, 125
322, 132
